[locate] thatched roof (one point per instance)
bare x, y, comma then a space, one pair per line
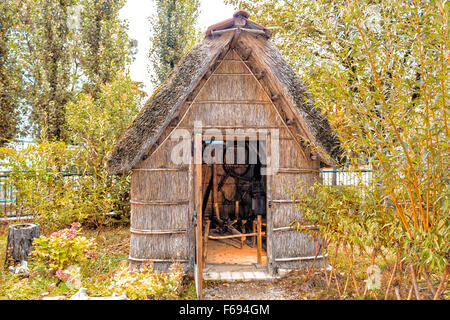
162, 107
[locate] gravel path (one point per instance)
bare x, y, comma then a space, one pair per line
289, 288
255, 290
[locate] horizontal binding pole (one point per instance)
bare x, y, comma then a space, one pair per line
217, 32
157, 260
300, 258
159, 169
285, 201
230, 60
311, 227
253, 234
159, 203
150, 232
295, 170
254, 31
231, 102
233, 127
231, 74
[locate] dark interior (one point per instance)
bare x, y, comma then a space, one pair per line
234, 195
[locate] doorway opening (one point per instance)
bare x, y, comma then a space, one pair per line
234, 205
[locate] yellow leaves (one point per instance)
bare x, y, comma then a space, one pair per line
146, 284
63, 248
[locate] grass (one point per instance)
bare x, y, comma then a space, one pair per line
113, 247
112, 250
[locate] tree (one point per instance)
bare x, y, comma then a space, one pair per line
47, 57
96, 124
105, 48
60, 183
69, 46
379, 70
11, 85
174, 33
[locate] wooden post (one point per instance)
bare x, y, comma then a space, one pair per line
259, 241
243, 231
215, 182
269, 222
205, 240
236, 212
20, 242
217, 212
254, 231
198, 201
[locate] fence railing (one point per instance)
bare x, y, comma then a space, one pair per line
10, 202
343, 177
8, 196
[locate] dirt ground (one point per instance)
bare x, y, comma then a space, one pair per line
255, 290
289, 288
229, 251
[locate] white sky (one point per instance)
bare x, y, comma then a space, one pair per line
137, 13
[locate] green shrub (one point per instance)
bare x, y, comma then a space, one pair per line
59, 182
140, 285
62, 249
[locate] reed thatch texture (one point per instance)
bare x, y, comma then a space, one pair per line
162, 107
290, 245
282, 80
160, 226
286, 242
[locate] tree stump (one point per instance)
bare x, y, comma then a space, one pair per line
20, 242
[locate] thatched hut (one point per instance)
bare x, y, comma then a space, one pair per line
236, 79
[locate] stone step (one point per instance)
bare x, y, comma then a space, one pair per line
237, 276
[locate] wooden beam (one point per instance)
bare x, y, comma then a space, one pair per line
300, 258
235, 38
255, 31
150, 232
289, 228
215, 187
159, 202
205, 246
259, 240
157, 260
220, 32
199, 220
230, 102
159, 169
232, 74
253, 234
232, 127
297, 170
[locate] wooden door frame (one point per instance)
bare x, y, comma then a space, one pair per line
269, 222
198, 223
197, 173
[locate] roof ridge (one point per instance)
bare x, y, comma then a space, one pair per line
239, 20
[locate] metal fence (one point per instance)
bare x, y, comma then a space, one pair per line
10, 202
344, 177
8, 196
